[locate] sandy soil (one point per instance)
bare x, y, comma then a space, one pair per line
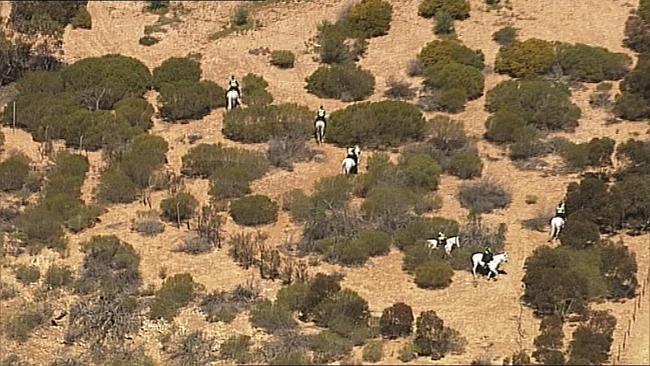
117, 26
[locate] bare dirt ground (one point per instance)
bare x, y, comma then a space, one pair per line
489, 315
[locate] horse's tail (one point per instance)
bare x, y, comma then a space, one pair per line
343, 167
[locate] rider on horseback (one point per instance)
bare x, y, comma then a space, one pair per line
321, 115
353, 155
233, 84
442, 239
560, 210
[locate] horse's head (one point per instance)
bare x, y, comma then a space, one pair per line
505, 257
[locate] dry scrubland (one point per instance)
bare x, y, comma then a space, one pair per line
58, 278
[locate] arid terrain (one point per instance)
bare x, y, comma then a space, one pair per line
488, 314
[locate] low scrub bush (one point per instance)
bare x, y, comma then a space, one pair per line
195, 348
484, 196
422, 228
433, 274
42, 228
505, 36
592, 64
189, 100
433, 339
373, 123
373, 351
21, 325
176, 69
283, 59
136, 111
400, 90
632, 107
337, 45
176, 292
148, 223
204, 160
458, 9
13, 172
346, 82
525, 59
448, 51
261, 123
254, 210
116, 187
49, 19
224, 306
388, 206
236, 348
328, 347
27, 274
58, 276
180, 207
637, 34
284, 151
369, 18
254, 90
396, 321
272, 317
444, 24
148, 40
454, 75
592, 340
595, 153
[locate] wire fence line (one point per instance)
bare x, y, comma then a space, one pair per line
638, 301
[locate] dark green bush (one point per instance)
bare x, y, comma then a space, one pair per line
458, 9
444, 23
240, 16
116, 187
632, 107
543, 104
176, 292
283, 59
396, 321
483, 196
33, 17
144, 155
596, 153
579, 233
254, 90
100, 82
205, 160
446, 51
422, 172
369, 18
502, 125
329, 347
176, 69
254, 210
136, 111
592, 341
422, 228
527, 144
465, 165
27, 274
346, 82
49, 82
190, 100
180, 207
334, 47
505, 36
41, 227
13, 172
373, 351
272, 317
434, 339
592, 64
374, 124
619, 268
58, 276
260, 123
528, 58
148, 40
434, 274
82, 19
637, 34
231, 182
236, 348
388, 205
454, 75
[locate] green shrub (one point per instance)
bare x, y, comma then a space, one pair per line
58, 276
41, 227
20, 326
619, 269
444, 23
637, 34
458, 9
254, 210
434, 339
592, 64
102, 81
396, 321
237, 348
373, 351
422, 228
283, 59
271, 317
240, 16
346, 82
189, 100
388, 206
543, 104
180, 207
592, 341
69, 165
505, 36
49, 82
370, 18
447, 51
231, 182
136, 111
433, 274
82, 19
13, 172
329, 347
632, 107
157, 5
527, 144
254, 90
528, 58
465, 165
176, 292
109, 266
204, 160
374, 124
502, 125
148, 40
50, 18
579, 233
176, 69
453, 75
596, 153
27, 274
483, 196
260, 123
116, 187
422, 172
144, 155
334, 47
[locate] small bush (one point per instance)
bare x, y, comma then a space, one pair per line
632, 107
592, 64
284, 151
204, 160
176, 69
136, 111
82, 19
374, 124
148, 224
637, 34
335, 47
189, 100
116, 187
14, 172
236, 348
224, 306
329, 347
283, 59
148, 40
407, 353
444, 23
596, 153
240, 16
434, 339
58, 276
415, 67
194, 349
484, 196
421, 228
254, 210
271, 317
592, 341
261, 123
27, 274
400, 90
422, 172
465, 165
458, 9
505, 36
396, 321
579, 233
20, 326
433, 274
388, 205
41, 227
454, 75
370, 18
254, 90
176, 292
7, 291
527, 144
373, 351
346, 82
528, 58
447, 51
180, 207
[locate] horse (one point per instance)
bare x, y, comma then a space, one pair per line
349, 163
493, 266
319, 133
557, 224
449, 244
232, 99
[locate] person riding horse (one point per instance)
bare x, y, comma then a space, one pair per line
442, 239
321, 115
487, 257
353, 155
560, 210
233, 84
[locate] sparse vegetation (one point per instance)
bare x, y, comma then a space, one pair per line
179, 208
458, 9
484, 196
176, 292
254, 210
346, 82
283, 59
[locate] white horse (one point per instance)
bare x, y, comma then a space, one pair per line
449, 244
232, 99
320, 131
349, 163
557, 224
493, 266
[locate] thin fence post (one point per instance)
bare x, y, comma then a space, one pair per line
14, 117
624, 339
